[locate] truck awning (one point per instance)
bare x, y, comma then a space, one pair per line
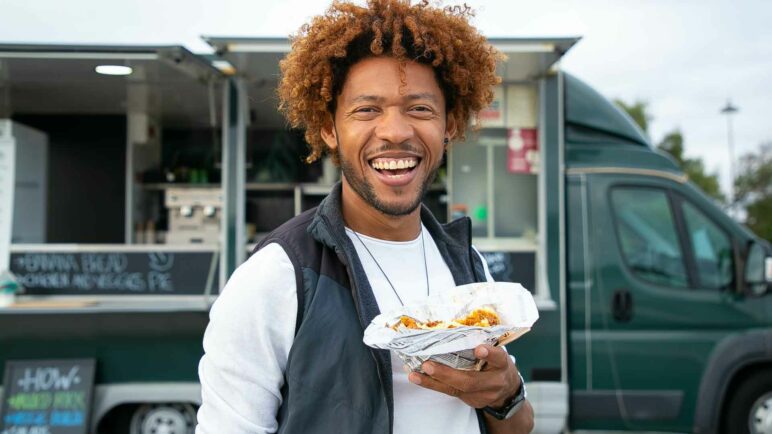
62, 79
256, 60
530, 58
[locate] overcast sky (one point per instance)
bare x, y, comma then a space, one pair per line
684, 57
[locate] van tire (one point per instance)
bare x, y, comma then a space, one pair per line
752, 395
173, 418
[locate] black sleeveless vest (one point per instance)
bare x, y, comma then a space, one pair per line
333, 382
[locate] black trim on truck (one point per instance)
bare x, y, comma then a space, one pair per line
639, 405
676, 202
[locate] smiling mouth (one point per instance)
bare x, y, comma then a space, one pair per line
395, 167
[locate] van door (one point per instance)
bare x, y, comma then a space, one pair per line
593, 401
665, 274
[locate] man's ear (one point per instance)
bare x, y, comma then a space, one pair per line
329, 134
451, 128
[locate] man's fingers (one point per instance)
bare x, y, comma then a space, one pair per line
494, 357
465, 381
475, 399
430, 383
494, 384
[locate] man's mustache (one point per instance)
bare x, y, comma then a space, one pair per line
404, 147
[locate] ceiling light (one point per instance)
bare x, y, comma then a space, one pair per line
224, 66
113, 70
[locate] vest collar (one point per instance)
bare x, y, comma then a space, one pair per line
328, 221
453, 240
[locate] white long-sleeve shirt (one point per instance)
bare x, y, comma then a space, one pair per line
252, 327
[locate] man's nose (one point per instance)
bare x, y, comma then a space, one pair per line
394, 127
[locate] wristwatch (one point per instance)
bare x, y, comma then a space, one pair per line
512, 407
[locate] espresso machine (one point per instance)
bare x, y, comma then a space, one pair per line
195, 215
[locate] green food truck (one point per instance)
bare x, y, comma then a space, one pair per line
655, 306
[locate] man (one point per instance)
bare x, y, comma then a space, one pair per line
383, 89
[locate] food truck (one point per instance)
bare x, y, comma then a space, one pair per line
655, 306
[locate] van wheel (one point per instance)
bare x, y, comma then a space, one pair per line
174, 418
750, 407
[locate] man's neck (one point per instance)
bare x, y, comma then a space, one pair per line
361, 217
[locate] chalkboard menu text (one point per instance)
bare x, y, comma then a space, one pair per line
116, 273
47, 396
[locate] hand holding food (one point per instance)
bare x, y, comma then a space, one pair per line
449, 326
490, 387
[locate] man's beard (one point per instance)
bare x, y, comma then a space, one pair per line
366, 191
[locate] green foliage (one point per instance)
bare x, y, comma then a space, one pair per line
673, 144
637, 111
753, 190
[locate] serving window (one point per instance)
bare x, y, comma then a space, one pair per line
103, 166
495, 179
494, 174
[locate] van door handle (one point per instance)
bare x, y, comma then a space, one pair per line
622, 305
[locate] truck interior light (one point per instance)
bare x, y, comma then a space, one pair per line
113, 70
224, 66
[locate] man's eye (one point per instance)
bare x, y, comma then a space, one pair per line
365, 110
422, 110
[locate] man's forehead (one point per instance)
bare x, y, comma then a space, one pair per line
375, 79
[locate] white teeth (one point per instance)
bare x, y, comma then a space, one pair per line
394, 164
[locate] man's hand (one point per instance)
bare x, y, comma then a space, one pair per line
493, 386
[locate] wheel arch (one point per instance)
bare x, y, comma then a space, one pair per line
110, 396
733, 359
746, 372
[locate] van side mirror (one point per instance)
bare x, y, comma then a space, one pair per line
758, 270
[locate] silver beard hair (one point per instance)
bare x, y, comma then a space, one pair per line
366, 191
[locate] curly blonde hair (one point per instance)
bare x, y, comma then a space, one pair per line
313, 73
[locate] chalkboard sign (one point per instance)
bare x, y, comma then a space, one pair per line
47, 396
116, 273
518, 267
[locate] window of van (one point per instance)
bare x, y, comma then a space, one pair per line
648, 235
712, 249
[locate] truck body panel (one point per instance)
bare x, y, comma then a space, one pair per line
654, 270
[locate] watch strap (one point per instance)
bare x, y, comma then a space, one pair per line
512, 407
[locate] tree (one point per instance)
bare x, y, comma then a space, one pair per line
673, 144
753, 190
637, 111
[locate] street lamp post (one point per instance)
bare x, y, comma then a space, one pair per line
729, 110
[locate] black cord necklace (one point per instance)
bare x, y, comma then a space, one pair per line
426, 270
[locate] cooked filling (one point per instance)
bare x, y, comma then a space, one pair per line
394, 166
482, 317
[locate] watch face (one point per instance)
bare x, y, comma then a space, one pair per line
510, 409
515, 408
507, 411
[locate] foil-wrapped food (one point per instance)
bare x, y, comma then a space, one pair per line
448, 326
